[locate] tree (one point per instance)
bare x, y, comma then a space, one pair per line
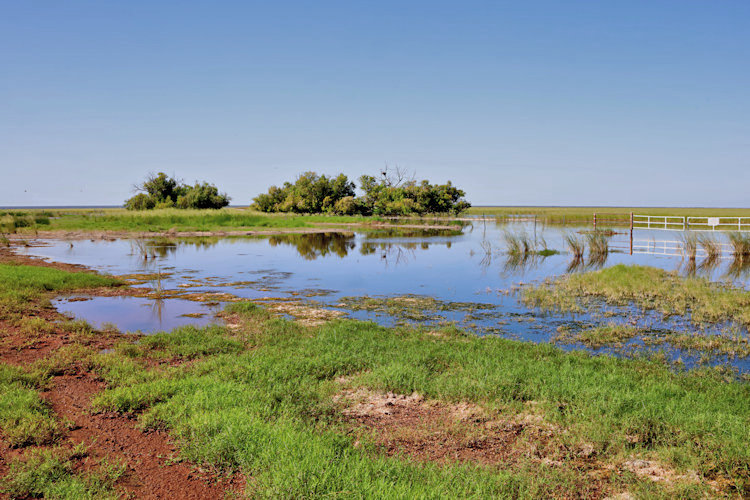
203, 195
141, 201
161, 191
310, 193
394, 192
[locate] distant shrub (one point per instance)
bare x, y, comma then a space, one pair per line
23, 221
141, 201
389, 195
310, 193
162, 191
202, 196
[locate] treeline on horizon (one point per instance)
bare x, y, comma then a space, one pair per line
393, 193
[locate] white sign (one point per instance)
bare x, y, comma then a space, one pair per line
713, 221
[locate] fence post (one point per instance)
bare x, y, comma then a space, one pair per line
594, 221
631, 233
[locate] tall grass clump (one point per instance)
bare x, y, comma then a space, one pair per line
740, 243
517, 244
598, 246
712, 249
576, 245
689, 246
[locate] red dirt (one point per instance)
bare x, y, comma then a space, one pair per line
444, 433
151, 473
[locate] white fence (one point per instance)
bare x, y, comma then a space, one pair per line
680, 223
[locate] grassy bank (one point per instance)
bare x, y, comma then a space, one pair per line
263, 397
28, 221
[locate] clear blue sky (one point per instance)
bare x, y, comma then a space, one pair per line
524, 102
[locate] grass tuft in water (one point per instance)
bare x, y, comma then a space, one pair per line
598, 243
711, 247
576, 244
689, 246
740, 243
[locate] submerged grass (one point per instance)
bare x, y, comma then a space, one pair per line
413, 307
728, 345
266, 407
648, 288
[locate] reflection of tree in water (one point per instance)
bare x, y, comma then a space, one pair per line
313, 245
398, 253
163, 247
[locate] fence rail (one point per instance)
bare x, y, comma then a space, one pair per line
690, 223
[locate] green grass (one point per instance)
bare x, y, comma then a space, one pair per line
50, 473
648, 288
21, 278
22, 286
24, 417
163, 220
267, 408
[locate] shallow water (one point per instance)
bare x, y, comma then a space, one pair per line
323, 268
139, 314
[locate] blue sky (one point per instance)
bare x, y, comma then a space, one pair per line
533, 102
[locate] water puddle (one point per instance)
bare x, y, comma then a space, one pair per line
136, 314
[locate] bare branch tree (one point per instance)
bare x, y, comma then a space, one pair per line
396, 176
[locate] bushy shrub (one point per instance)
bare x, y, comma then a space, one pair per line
141, 201
313, 193
310, 193
162, 191
203, 195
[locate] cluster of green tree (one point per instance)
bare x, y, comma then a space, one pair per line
311, 193
391, 194
162, 191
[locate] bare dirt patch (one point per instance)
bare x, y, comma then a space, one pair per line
434, 431
305, 314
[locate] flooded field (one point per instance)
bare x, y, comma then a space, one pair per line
471, 278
